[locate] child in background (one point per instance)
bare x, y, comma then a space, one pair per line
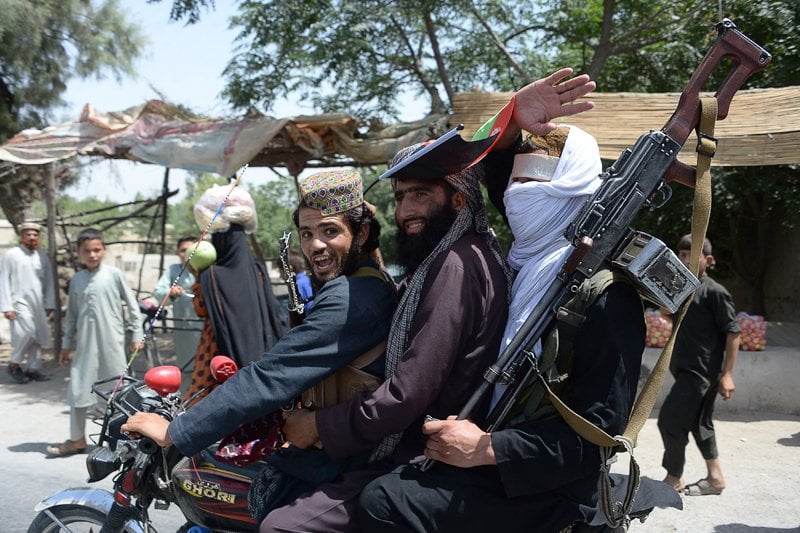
95, 329
702, 365
187, 325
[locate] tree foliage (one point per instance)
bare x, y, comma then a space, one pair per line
358, 57
44, 44
340, 55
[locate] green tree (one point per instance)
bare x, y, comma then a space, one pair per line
275, 202
43, 45
342, 55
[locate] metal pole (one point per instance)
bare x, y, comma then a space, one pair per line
164, 196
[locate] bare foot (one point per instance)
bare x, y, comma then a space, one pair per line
675, 482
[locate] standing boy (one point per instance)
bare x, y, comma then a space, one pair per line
26, 297
95, 329
702, 365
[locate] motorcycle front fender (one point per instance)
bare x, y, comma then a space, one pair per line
98, 499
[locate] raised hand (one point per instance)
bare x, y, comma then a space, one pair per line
540, 102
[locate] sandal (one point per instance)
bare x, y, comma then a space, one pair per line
35, 375
68, 447
701, 488
17, 374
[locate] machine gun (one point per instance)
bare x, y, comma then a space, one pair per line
601, 232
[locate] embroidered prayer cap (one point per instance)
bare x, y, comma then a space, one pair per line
332, 192
29, 225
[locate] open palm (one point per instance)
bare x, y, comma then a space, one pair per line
538, 103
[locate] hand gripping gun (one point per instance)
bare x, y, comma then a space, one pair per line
601, 232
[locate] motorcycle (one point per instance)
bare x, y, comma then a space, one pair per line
211, 494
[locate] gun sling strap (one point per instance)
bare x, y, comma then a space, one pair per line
351, 379
616, 513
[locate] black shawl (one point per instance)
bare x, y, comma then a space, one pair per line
243, 310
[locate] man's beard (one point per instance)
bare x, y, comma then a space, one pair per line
31, 244
413, 249
348, 265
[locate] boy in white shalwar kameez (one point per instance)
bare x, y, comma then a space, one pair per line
95, 329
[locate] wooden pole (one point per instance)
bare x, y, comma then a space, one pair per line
52, 249
164, 196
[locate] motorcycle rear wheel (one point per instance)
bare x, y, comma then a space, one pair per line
78, 518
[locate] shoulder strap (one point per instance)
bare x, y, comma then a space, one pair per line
555, 362
372, 272
571, 315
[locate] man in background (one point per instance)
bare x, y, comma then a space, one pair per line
27, 297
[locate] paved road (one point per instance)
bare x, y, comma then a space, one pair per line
760, 454
35, 415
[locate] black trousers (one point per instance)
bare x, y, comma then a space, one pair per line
455, 499
688, 408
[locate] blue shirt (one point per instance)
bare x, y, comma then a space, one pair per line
351, 315
305, 289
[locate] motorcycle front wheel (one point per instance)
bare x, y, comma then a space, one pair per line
77, 518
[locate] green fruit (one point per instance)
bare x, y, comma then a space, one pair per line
202, 256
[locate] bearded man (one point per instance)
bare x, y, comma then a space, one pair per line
27, 296
535, 473
351, 316
446, 331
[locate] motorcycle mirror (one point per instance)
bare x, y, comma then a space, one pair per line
163, 379
223, 367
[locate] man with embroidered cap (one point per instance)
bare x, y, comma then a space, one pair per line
352, 313
446, 330
27, 297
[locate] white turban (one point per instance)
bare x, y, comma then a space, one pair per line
538, 213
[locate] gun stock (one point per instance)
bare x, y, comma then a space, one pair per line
746, 57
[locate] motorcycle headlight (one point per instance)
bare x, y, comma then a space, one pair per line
101, 462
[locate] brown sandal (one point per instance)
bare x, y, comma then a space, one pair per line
702, 487
68, 447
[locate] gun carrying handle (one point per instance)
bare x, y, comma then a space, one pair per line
582, 247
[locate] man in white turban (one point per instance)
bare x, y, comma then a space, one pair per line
27, 294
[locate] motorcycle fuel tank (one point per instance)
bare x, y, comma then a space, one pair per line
212, 493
